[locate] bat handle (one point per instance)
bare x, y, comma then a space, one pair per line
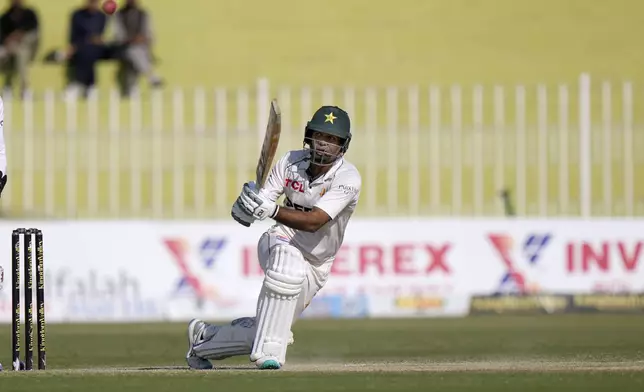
241, 222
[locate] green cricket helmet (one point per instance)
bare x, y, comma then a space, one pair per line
329, 120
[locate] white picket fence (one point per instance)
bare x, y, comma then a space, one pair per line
569, 149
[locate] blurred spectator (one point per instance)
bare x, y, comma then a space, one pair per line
19, 37
133, 31
86, 45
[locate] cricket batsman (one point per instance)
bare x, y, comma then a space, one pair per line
321, 193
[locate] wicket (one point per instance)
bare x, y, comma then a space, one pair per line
28, 292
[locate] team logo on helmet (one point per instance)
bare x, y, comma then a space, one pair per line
329, 117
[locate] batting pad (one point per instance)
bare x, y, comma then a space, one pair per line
283, 279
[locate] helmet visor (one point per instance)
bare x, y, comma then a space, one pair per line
325, 148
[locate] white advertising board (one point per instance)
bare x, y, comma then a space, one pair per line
143, 271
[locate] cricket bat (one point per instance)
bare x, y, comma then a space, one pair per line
269, 146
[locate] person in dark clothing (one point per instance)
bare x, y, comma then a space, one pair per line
86, 44
133, 31
19, 36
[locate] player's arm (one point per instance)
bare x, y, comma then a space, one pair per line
327, 208
310, 221
259, 207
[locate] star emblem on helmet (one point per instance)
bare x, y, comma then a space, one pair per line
329, 117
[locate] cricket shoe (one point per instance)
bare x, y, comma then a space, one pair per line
268, 362
196, 329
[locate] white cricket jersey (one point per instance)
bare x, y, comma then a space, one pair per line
336, 193
3, 149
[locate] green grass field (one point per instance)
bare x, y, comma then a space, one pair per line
540, 353
364, 43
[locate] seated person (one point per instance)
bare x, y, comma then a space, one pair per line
133, 32
18, 42
86, 45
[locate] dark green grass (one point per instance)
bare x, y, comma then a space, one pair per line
588, 337
285, 382
89, 351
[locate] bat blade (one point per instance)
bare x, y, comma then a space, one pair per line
269, 146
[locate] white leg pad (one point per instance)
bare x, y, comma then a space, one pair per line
283, 279
227, 341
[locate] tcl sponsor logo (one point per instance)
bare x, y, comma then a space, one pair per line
295, 185
605, 256
412, 259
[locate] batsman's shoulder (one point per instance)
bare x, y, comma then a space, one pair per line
295, 156
290, 158
349, 174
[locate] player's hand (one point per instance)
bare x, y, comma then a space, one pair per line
256, 204
240, 215
3, 181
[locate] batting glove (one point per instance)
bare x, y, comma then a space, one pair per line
240, 215
255, 204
